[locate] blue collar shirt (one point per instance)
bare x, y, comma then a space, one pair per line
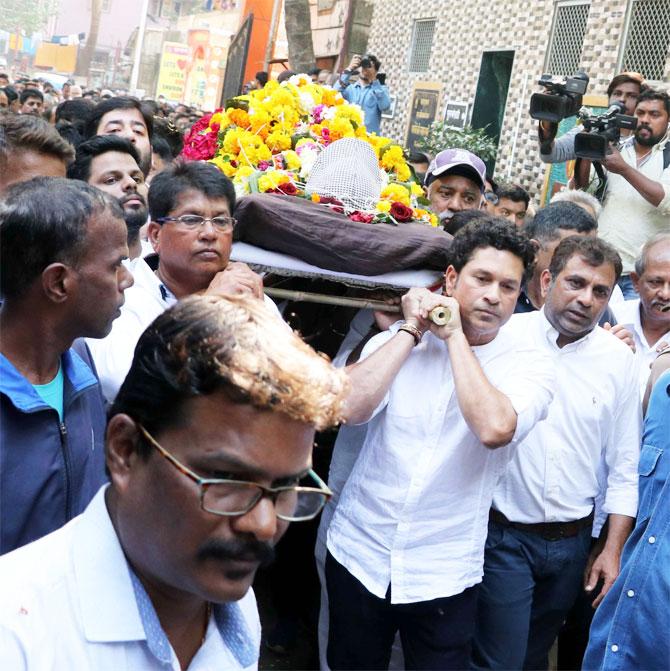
630, 629
373, 99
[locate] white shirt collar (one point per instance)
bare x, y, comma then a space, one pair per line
552, 334
106, 595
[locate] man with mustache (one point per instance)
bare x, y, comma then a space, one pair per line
208, 448
62, 278
648, 318
111, 164
637, 198
579, 463
191, 229
454, 182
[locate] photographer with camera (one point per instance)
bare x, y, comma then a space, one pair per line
624, 88
368, 91
637, 196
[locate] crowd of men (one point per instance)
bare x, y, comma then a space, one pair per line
498, 482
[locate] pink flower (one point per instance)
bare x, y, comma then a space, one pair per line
316, 113
263, 165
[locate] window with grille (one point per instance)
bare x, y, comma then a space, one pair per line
422, 45
647, 39
567, 37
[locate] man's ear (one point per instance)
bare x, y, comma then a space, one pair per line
545, 283
59, 282
121, 443
153, 235
450, 280
635, 279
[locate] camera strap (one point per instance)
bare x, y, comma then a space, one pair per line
602, 180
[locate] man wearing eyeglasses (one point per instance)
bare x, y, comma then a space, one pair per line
208, 449
191, 230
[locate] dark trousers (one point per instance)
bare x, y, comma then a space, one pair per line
529, 586
435, 634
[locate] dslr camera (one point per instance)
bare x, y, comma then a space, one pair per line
563, 97
600, 130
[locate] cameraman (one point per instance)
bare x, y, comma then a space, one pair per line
625, 87
368, 91
637, 197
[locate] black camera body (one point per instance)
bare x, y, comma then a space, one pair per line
601, 130
563, 97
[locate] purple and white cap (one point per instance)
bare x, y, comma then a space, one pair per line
457, 162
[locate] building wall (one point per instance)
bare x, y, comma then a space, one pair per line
116, 26
463, 31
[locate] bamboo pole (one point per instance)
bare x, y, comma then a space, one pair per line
439, 315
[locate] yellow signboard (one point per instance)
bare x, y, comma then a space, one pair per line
175, 64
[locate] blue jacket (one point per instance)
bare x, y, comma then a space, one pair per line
373, 99
49, 470
631, 627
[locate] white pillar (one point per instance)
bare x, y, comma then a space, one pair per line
135, 74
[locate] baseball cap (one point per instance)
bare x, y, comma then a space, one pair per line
457, 162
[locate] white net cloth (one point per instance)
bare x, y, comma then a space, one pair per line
349, 171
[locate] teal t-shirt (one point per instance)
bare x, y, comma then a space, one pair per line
52, 392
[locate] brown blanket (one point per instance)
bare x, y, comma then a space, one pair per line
315, 234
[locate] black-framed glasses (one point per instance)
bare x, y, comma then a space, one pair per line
231, 498
193, 221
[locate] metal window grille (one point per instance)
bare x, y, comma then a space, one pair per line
422, 45
567, 37
647, 39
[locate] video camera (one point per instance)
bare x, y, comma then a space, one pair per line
600, 130
563, 97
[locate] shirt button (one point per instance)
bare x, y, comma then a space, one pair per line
630, 592
615, 648
652, 539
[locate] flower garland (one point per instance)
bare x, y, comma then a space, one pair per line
268, 140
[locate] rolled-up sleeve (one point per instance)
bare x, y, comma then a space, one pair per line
563, 148
623, 451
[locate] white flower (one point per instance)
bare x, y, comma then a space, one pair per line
307, 158
300, 79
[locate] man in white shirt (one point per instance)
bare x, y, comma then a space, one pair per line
648, 318
406, 542
637, 200
191, 229
208, 450
583, 455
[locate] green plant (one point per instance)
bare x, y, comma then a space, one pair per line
440, 136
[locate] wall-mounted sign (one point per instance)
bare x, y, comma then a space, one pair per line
390, 112
175, 64
456, 114
424, 104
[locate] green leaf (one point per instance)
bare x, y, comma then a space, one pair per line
475, 140
236, 103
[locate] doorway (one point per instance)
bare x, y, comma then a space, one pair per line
488, 111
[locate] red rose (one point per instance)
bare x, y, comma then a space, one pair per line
401, 212
361, 217
288, 189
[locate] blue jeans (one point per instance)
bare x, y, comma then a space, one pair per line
529, 586
627, 288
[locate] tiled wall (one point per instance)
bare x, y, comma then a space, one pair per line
465, 29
